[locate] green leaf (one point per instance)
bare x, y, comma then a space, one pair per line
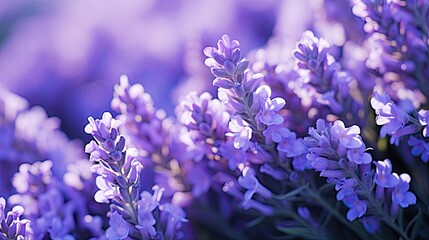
414, 225
255, 222
291, 193
302, 232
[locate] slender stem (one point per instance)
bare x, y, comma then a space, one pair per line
297, 218
415, 121
358, 230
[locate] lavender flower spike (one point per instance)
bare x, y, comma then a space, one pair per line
99, 128
230, 69
225, 62
339, 154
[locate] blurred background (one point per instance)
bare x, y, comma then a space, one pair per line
68, 55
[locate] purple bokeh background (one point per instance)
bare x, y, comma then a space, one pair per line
67, 55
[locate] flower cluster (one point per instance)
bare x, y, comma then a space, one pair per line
397, 33
399, 124
118, 181
322, 79
46, 172
339, 154
293, 144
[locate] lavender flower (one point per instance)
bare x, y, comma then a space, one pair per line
358, 155
240, 130
119, 181
323, 82
286, 138
397, 43
256, 112
384, 176
29, 135
250, 182
118, 227
292, 146
202, 113
401, 195
226, 63
419, 147
348, 137
395, 121
268, 114
357, 207
144, 124
11, 226
146, 206
115, 167
234, 156
42, 194
48, 166
174, 217
330, 147
388, 114
258, 129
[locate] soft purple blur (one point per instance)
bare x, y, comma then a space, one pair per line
67, 55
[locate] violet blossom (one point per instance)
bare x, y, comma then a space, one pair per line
284, 136
332, 153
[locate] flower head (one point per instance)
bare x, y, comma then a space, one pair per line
240, 130
419, 147
118, 228
11, 226
401, 195
226, 63
383, 174
249, 181
388, 114
348, 137
100, 129
146, 205
358, 155
357, 207
268, 113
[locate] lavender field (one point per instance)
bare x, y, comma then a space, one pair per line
214, 120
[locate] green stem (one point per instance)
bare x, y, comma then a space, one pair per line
356, 229
297, 218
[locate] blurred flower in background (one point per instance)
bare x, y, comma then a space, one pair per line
221, 119
67, 55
